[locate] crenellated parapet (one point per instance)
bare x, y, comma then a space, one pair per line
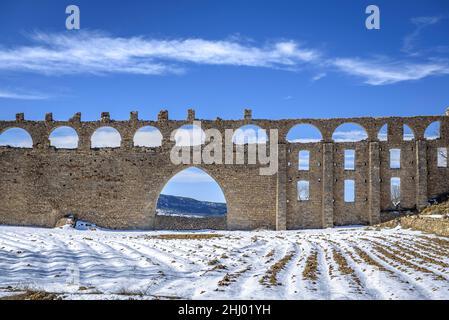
40, 130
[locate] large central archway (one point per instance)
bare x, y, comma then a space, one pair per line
191, 200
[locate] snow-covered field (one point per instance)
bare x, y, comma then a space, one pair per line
340, 263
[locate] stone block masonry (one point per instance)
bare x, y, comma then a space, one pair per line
118, 187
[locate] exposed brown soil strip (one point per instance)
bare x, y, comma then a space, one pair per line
232, 277
399, 249
32, 295
395, 256
311, 268
370, 261
330, 266
342, 264
431, 249
184, 236
438, 241
436, 251
270, 278
418, 255
344, 267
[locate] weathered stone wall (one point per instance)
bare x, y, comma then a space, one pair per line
184, 223
118, 188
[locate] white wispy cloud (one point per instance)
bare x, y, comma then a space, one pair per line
65, 142
20, 95
148, 137
420, 23
408, 136
304, 140
348, 136
64, 138
106, 137
94, 52
303, 160
16, 143
192, 175
319, 76
382, 136
382, 71
17, 138
189, 135
97, 53
249, 134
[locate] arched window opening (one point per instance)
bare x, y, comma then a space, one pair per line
433, 131
349, 132
16, 138
383, 133
304, 133
147, 136
189, 135
106, 137
408, 134
249, 134
192, 193
64, 138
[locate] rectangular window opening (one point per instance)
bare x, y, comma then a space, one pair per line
395, 158
304, 160
349, 191
442, 157
395, 191
349, 159
303, 190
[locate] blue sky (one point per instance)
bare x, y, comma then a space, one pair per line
280, 58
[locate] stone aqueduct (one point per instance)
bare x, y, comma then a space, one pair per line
119, 187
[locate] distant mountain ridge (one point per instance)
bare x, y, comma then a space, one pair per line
175, 205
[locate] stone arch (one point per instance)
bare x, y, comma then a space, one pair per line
64, 137
305, 132
147, 136
189, 135
408, 134
249, 134
433, 131
201, 171
349, 132
16, 137
155, 193
382, 134
106, 137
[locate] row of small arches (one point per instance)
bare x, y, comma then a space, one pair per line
67, 138
148, 136
108, 137
351, 132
